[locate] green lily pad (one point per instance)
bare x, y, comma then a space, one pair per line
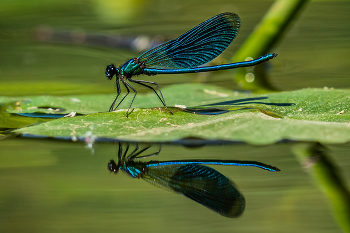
5, 99
187, 94
317, 115
10, 121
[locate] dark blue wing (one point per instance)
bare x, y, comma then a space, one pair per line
196, 47
202, 184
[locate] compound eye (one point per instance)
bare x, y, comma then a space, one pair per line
113, 167
110, 71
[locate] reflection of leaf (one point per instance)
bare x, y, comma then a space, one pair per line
315, 116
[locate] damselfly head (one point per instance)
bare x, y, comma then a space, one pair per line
113, 167
111, 70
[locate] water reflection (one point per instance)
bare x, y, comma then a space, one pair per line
327, 176
190, 178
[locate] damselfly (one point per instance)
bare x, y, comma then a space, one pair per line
185, 54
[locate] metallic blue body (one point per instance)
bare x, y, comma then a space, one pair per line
130, 68
184, 54
214, 162
210, 68
135, 169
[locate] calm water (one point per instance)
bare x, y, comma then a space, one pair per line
58, 186
55, 186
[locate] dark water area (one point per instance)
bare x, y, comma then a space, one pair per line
55, 186
60, 48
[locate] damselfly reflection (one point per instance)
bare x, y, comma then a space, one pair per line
190, 178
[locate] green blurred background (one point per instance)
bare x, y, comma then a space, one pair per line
60, 47
45, 50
